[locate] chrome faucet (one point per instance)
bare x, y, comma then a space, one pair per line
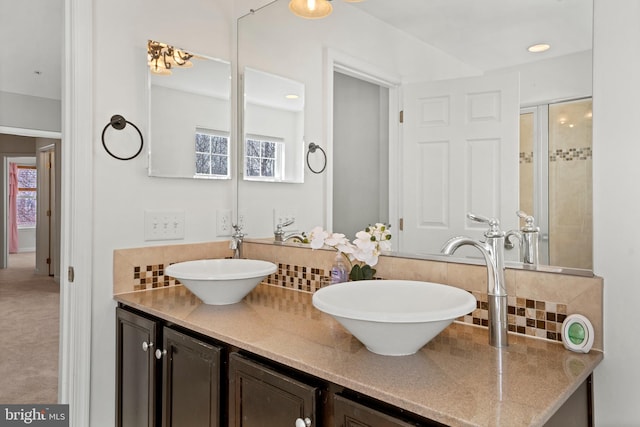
236, 240
280, 236
493, 251
528, 236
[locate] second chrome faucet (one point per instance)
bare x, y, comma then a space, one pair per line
280, 236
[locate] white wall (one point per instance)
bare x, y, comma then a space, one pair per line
30, 112
176, 115
617, 206
286, 126
556, 79
121, 189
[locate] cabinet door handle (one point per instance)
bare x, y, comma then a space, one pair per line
303, 423
160, 353
146, 346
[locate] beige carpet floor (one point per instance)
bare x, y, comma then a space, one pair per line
29, 333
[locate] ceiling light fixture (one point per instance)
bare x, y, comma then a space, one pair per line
162, 57
311, 9
540, 47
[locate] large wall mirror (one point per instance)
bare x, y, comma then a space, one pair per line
273, 125
488, 126
190, 114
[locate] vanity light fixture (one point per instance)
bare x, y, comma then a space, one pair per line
311, 9
292, 96
162, 57
314, 9
538, 48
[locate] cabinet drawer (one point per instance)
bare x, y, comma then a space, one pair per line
262, 397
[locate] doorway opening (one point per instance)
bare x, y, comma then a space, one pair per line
360, 154
556, 179
29, 279
363, 138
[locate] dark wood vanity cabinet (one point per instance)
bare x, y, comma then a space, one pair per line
171, 377
136, 370
260, 396
165, 377
191, 381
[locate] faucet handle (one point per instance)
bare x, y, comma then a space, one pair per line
529, 221
237, 230
494, 224
285, 223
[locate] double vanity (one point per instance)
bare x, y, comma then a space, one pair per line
275, 359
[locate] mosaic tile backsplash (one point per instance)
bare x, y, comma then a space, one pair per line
151, 277
540, 319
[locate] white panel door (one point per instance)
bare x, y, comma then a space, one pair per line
460, 154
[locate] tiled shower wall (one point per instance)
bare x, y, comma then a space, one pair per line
570, 180
537, 303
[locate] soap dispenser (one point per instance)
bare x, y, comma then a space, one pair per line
339, 272
528, 236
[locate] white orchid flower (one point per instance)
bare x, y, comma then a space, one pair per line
366, 248
384, 245
317, 237
340, 242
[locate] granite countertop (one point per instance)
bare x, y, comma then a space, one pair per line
456, 379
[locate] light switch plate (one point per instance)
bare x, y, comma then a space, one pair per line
163, 225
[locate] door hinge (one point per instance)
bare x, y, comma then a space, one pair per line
401, 226
70, 274
48, 212
401, 116
48, 260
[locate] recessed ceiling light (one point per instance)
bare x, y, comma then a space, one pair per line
540, 47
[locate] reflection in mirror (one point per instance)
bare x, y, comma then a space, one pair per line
190, 114
273, 127
562, 193
423, 45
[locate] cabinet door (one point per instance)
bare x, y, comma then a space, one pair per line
262, 397
191, 381
351, 414
136, 339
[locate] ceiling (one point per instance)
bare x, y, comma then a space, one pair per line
33, 32
487, 34
491, 34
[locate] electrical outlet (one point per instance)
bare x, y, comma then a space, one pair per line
223, 222
242, 218
163, 225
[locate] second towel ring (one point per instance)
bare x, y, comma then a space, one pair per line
118, 122
312, 149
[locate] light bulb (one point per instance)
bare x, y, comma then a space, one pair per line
311, 9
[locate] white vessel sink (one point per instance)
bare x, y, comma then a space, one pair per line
394, 317
221, 281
